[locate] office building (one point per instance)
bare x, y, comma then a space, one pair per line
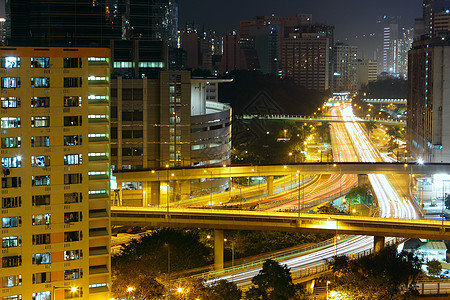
142, 34
266, 41
428, 101
55, 179
367, 72
174, 121
432, 10
90, 23
304, 59
345, 68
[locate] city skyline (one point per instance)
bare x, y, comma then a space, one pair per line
224, 17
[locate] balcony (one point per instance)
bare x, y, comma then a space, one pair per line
99, 269
98, 118
97, 232
98, 213
98, 156
98, 80
98, 137
94, 99
98, 61
102, 250
98, 194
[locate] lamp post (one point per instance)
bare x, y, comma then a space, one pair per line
167, 190
168, 265
129, 290
73, 289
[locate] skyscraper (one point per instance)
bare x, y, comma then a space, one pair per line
55, 181
345, 68
90, 22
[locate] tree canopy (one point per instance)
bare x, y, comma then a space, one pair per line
273, 282
383, 275
144, 263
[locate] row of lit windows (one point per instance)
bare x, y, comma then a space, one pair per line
41, 219
44, 121
44, 141
38, 200
11, 62
41, 180
40, 161
37, 102
44, 82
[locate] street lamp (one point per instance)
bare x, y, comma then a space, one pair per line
168, 265
73, 289
130, 289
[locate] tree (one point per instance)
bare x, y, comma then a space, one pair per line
382, 275
434, 267
143, 263
359, 194
447, 201
273, 281
370, 125
225, 290
324, 130
329, 209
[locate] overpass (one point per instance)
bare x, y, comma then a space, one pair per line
321, 119
276, 221
220, 220
281, 170
386, 101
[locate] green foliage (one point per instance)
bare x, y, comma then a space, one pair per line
324, 131
268, 149
434, 267
289, 98
143, 262
359, 194
377, 276
273, 282
447, 201
225, 290
330, 209
370, 126
388, 88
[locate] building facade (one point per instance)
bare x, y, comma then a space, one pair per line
171, 122
428, 100
90, 22
367, 72
345, 68
55, 180
304, 59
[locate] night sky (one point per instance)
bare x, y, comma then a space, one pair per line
351, 18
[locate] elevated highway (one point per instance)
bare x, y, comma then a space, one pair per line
283, 170
293, 222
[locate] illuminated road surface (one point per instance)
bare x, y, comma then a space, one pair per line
349, 143
390, 203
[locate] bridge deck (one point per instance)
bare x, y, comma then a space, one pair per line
282, 170
258, 220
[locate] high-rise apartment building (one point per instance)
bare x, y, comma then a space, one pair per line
55, 179
345, 68
304, 59
174, 121
428, 100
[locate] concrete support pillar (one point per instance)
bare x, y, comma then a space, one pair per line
378, 243
155, 188
145, 193
269, 180
218, 249
185, 189
363, 179
164, 193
